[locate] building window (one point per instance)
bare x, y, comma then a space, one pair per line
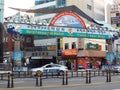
89, 7
118, 15
37, 2
73, 45
61, 3
66, 46
28, 40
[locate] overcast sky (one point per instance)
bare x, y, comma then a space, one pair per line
25, 4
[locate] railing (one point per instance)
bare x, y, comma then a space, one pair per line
5, 67
86, 76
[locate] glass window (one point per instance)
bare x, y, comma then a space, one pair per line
48, 66
89, 7
66, 46
37, 2
73, 45
28, 39
61, 3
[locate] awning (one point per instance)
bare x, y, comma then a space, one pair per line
91, 53
41, 57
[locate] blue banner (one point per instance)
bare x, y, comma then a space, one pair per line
17, 55
110, 56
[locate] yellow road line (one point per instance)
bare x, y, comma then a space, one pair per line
53, 86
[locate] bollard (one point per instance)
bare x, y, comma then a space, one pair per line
40, 79
12, 81
107, 75
46, 74
66, 78
8, 84
86, 76
39, 75
63, 83
18, 74
98, 72
25, 74
102, 73
94, 73
1, 76
77, 73
52, 74
36, 80
89, 76
31, 74
72, 73
81, 73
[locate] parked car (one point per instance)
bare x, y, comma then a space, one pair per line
106, 67
50, 68
116, 68
80, 67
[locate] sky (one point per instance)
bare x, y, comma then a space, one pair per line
25, 4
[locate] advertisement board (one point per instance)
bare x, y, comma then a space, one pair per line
17, 55
57, 31
110, 56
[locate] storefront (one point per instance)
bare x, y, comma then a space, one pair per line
91, 58
69, 56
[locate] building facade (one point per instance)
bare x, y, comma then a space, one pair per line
1, 10
113, 18
69, 48
60, 45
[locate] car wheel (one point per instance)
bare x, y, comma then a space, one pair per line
61, 73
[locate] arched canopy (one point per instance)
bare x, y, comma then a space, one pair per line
72, 8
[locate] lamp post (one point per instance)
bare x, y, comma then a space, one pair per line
117, 54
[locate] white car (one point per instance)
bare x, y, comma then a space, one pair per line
50, 68
116, 69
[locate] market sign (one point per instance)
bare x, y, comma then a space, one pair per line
118, 55
93, 46
115, 20
57, 31
110, 56
17, 55
68, 19
69, 52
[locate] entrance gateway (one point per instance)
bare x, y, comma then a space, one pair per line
64, 24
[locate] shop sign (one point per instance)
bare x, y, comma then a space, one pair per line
17, 55
110, 56
115, 20
114, 8
118, 54
69, 52
57, 31
53, 47
94, 46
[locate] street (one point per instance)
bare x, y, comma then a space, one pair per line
94, 86
76, 83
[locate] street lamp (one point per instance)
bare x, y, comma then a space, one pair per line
117, 54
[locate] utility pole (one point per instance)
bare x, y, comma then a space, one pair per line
1, 42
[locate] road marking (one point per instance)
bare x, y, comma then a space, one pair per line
14, 82
53, 86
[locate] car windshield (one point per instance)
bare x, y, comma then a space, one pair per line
117, 66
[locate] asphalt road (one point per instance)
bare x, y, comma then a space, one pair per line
95, 86
55, 83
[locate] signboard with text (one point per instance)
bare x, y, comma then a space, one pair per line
110, 56
17, 55
57, 31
